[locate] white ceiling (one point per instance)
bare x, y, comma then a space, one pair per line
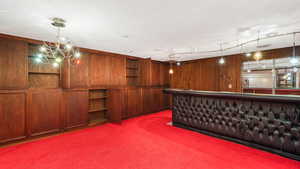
154, 28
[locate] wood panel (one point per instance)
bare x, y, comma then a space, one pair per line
133, 102
99, 70
76, 108
230, 74
157, 97
76, 75
145, 72
147, 100
116, 104
44, 108
164, 74
12, 116
155, 73
117, 71
13, 61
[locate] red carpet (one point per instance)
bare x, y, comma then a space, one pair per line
141, 143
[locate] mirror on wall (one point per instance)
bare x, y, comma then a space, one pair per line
271, 76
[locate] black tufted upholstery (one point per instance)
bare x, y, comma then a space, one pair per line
271, 124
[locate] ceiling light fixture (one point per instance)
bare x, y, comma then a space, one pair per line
294, 59
171, 69
55, 53
221, 60
258, 55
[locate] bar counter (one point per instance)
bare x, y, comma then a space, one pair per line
268, 122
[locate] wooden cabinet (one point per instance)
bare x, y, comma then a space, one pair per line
147, 99
76, 108
13, 61
116, 104
44, 109
133, 102
12, 113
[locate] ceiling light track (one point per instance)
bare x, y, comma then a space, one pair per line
173, 55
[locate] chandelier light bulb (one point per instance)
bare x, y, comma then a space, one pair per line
77, 62
43, 49
58, 60
77, 55
38, 60
68, 46
55, 64
221, 61
294, 60
39, 55
171, 71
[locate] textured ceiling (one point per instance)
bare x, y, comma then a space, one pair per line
154, 28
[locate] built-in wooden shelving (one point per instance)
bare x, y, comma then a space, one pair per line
132, 71
41, 75
97, 106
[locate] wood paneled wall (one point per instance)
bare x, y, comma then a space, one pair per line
207, 74
36, 99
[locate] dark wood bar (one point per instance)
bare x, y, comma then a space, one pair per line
268, 122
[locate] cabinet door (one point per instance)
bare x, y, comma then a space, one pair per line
157, 99
133, 100
116, 105
44, 111
99, 70
12, 116
147, 98
76, 108
13, 61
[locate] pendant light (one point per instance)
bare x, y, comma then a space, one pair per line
258, 55
294, 59
222, 59
171, 71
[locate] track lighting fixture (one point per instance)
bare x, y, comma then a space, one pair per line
294, 59
222, 59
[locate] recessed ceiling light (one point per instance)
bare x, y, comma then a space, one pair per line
125, 36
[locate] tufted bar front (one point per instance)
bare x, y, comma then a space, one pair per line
268, 122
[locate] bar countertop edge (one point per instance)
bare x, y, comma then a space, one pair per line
261, 97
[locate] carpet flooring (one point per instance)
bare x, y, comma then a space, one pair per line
145, 142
